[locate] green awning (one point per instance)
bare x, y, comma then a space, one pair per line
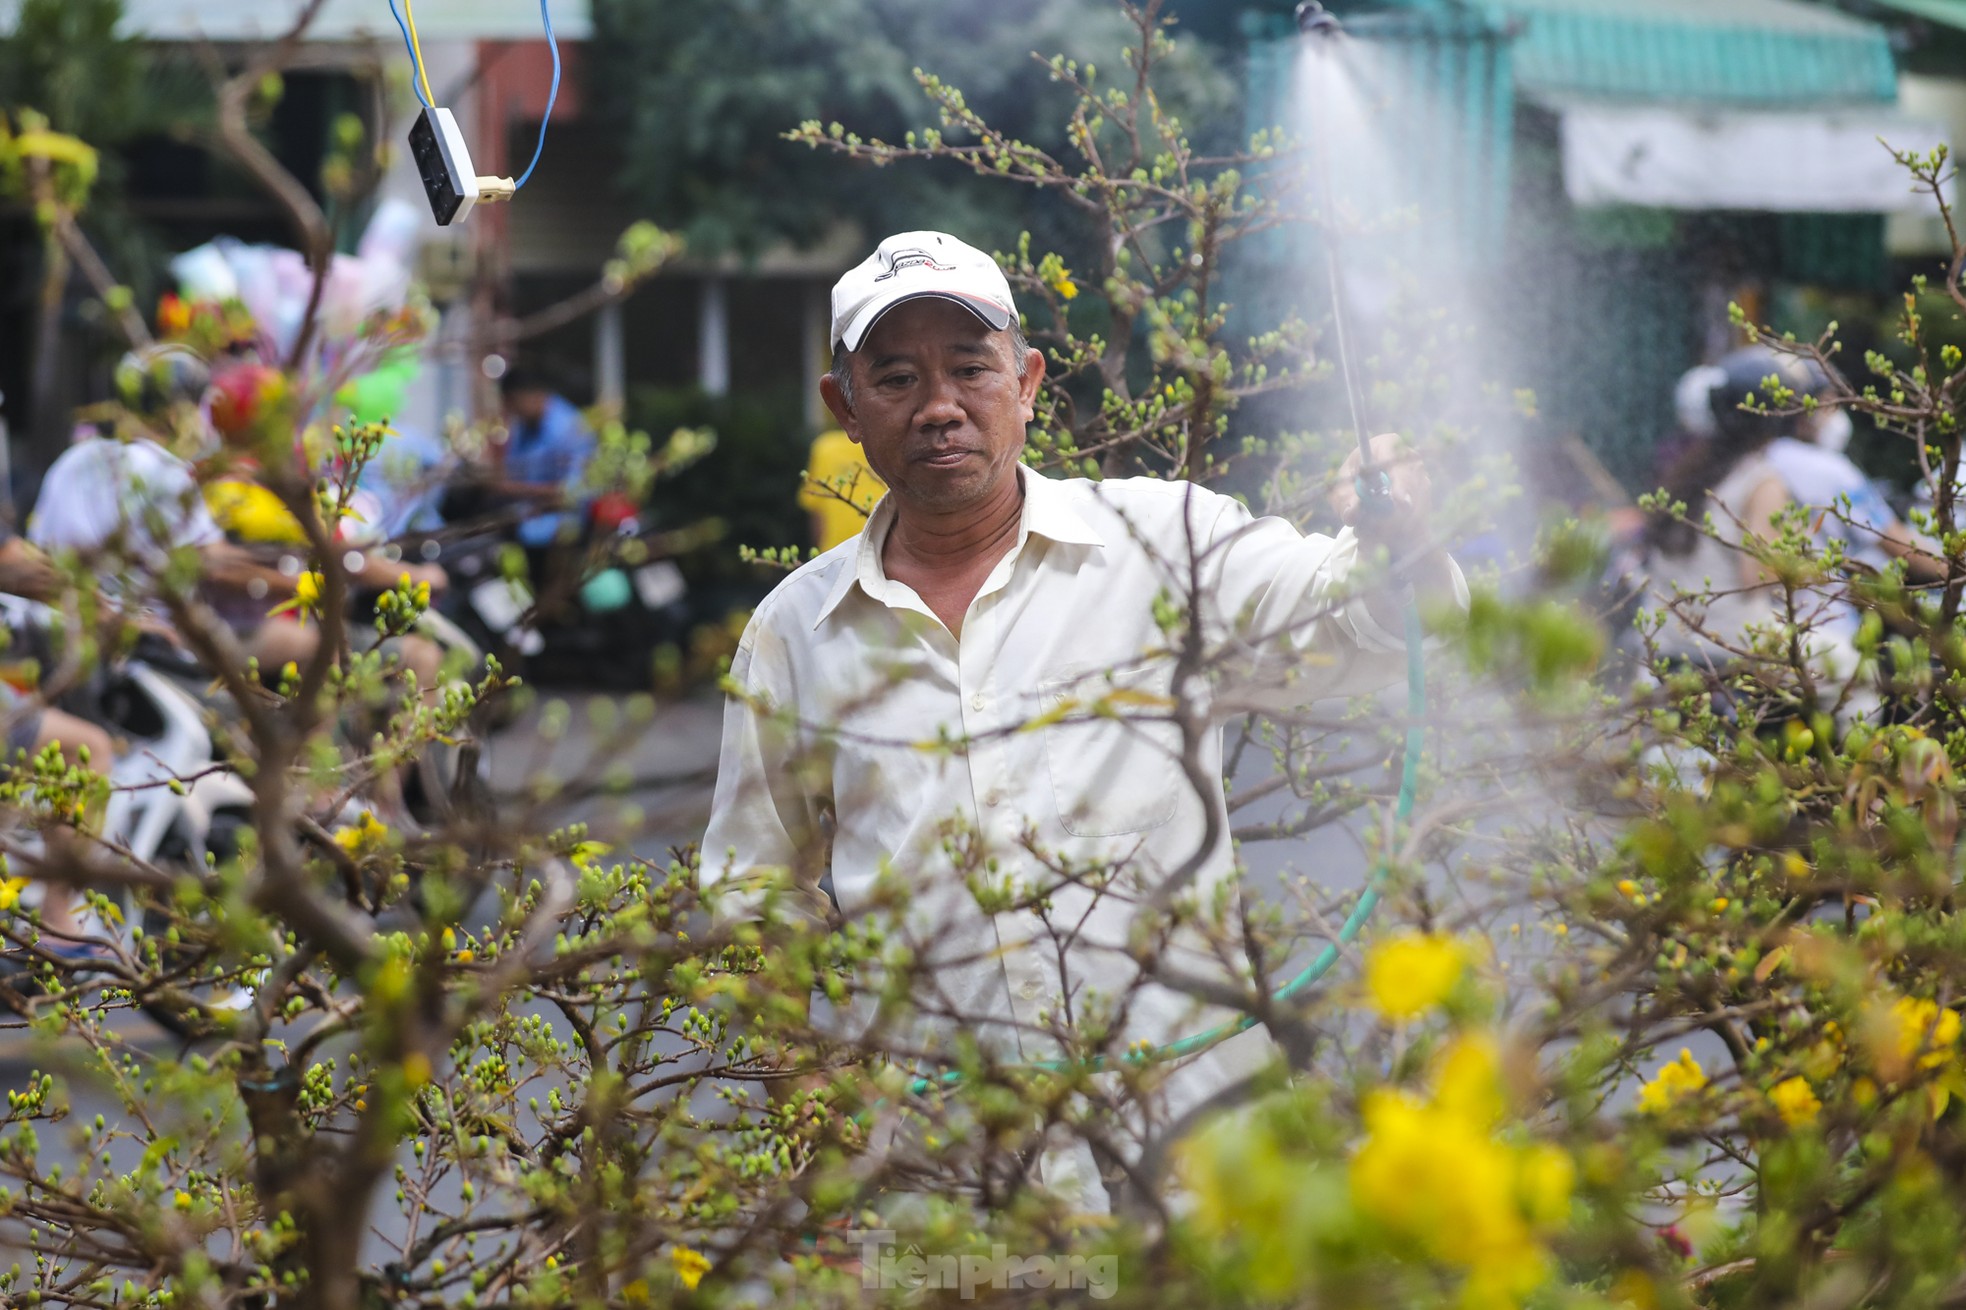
1765, 53
1948, 13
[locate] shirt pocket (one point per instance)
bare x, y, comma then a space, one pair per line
1113, 749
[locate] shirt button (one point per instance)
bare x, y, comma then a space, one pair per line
976, 701
1029, 989
994, 799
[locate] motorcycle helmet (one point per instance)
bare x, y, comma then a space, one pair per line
1744, 374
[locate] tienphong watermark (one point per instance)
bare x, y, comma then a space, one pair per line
884, 1267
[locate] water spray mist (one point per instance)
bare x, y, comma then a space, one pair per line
1374, 486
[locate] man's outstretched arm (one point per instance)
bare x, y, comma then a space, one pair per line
1402, 524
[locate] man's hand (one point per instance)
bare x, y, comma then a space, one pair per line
1401, 521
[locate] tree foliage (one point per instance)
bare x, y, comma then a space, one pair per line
1663, 1008
704, 91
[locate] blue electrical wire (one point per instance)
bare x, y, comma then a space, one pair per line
411, 47
552, 95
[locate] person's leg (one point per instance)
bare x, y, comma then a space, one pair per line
68, 845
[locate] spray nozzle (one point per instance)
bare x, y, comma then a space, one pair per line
1313, 19
1375, 490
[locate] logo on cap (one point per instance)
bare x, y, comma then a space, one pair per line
902, 259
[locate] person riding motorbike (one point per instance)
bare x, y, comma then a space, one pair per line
126, 499
29, 727
131, 503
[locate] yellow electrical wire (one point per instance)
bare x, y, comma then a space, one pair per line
416, 52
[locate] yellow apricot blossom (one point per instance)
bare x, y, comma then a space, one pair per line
1795, 1101
365, 836
306, 601
1468, 1081
1825, 1057
1545, 1178
1410, 973
1921, 1025
690, 1264
1673, 1083
1435, 1173
10, 890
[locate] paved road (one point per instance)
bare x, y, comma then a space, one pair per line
641, 776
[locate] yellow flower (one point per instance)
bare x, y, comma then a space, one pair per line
690, 1265
182, 1201
1446, 1183
10, 890
1545, 1177
416, 1069
1468, 1081
1795, 1101
307, 594
1826, 1056
365, 835
1410, 973
1064, 286
1922, 1025
1674, 1082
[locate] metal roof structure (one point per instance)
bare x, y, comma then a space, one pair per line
1947, 13
342, 20
1764, 53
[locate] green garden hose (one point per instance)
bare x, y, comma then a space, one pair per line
1409, 784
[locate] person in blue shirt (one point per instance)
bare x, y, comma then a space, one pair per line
546, 453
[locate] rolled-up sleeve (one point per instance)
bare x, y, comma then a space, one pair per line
765, 816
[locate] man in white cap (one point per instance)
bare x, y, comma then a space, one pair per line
983, 601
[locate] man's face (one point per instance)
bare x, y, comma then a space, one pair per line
528, 406
938, 406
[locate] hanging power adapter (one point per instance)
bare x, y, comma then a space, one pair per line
443, 161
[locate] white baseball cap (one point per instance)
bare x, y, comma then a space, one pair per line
913, 264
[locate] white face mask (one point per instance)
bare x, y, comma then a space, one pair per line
1833, 431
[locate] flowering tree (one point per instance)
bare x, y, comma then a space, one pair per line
1685, 1031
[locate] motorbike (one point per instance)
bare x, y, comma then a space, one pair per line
172, 803
597, 634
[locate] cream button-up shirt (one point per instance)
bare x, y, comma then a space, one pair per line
1037, 751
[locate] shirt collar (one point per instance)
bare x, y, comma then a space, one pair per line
1048, 512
